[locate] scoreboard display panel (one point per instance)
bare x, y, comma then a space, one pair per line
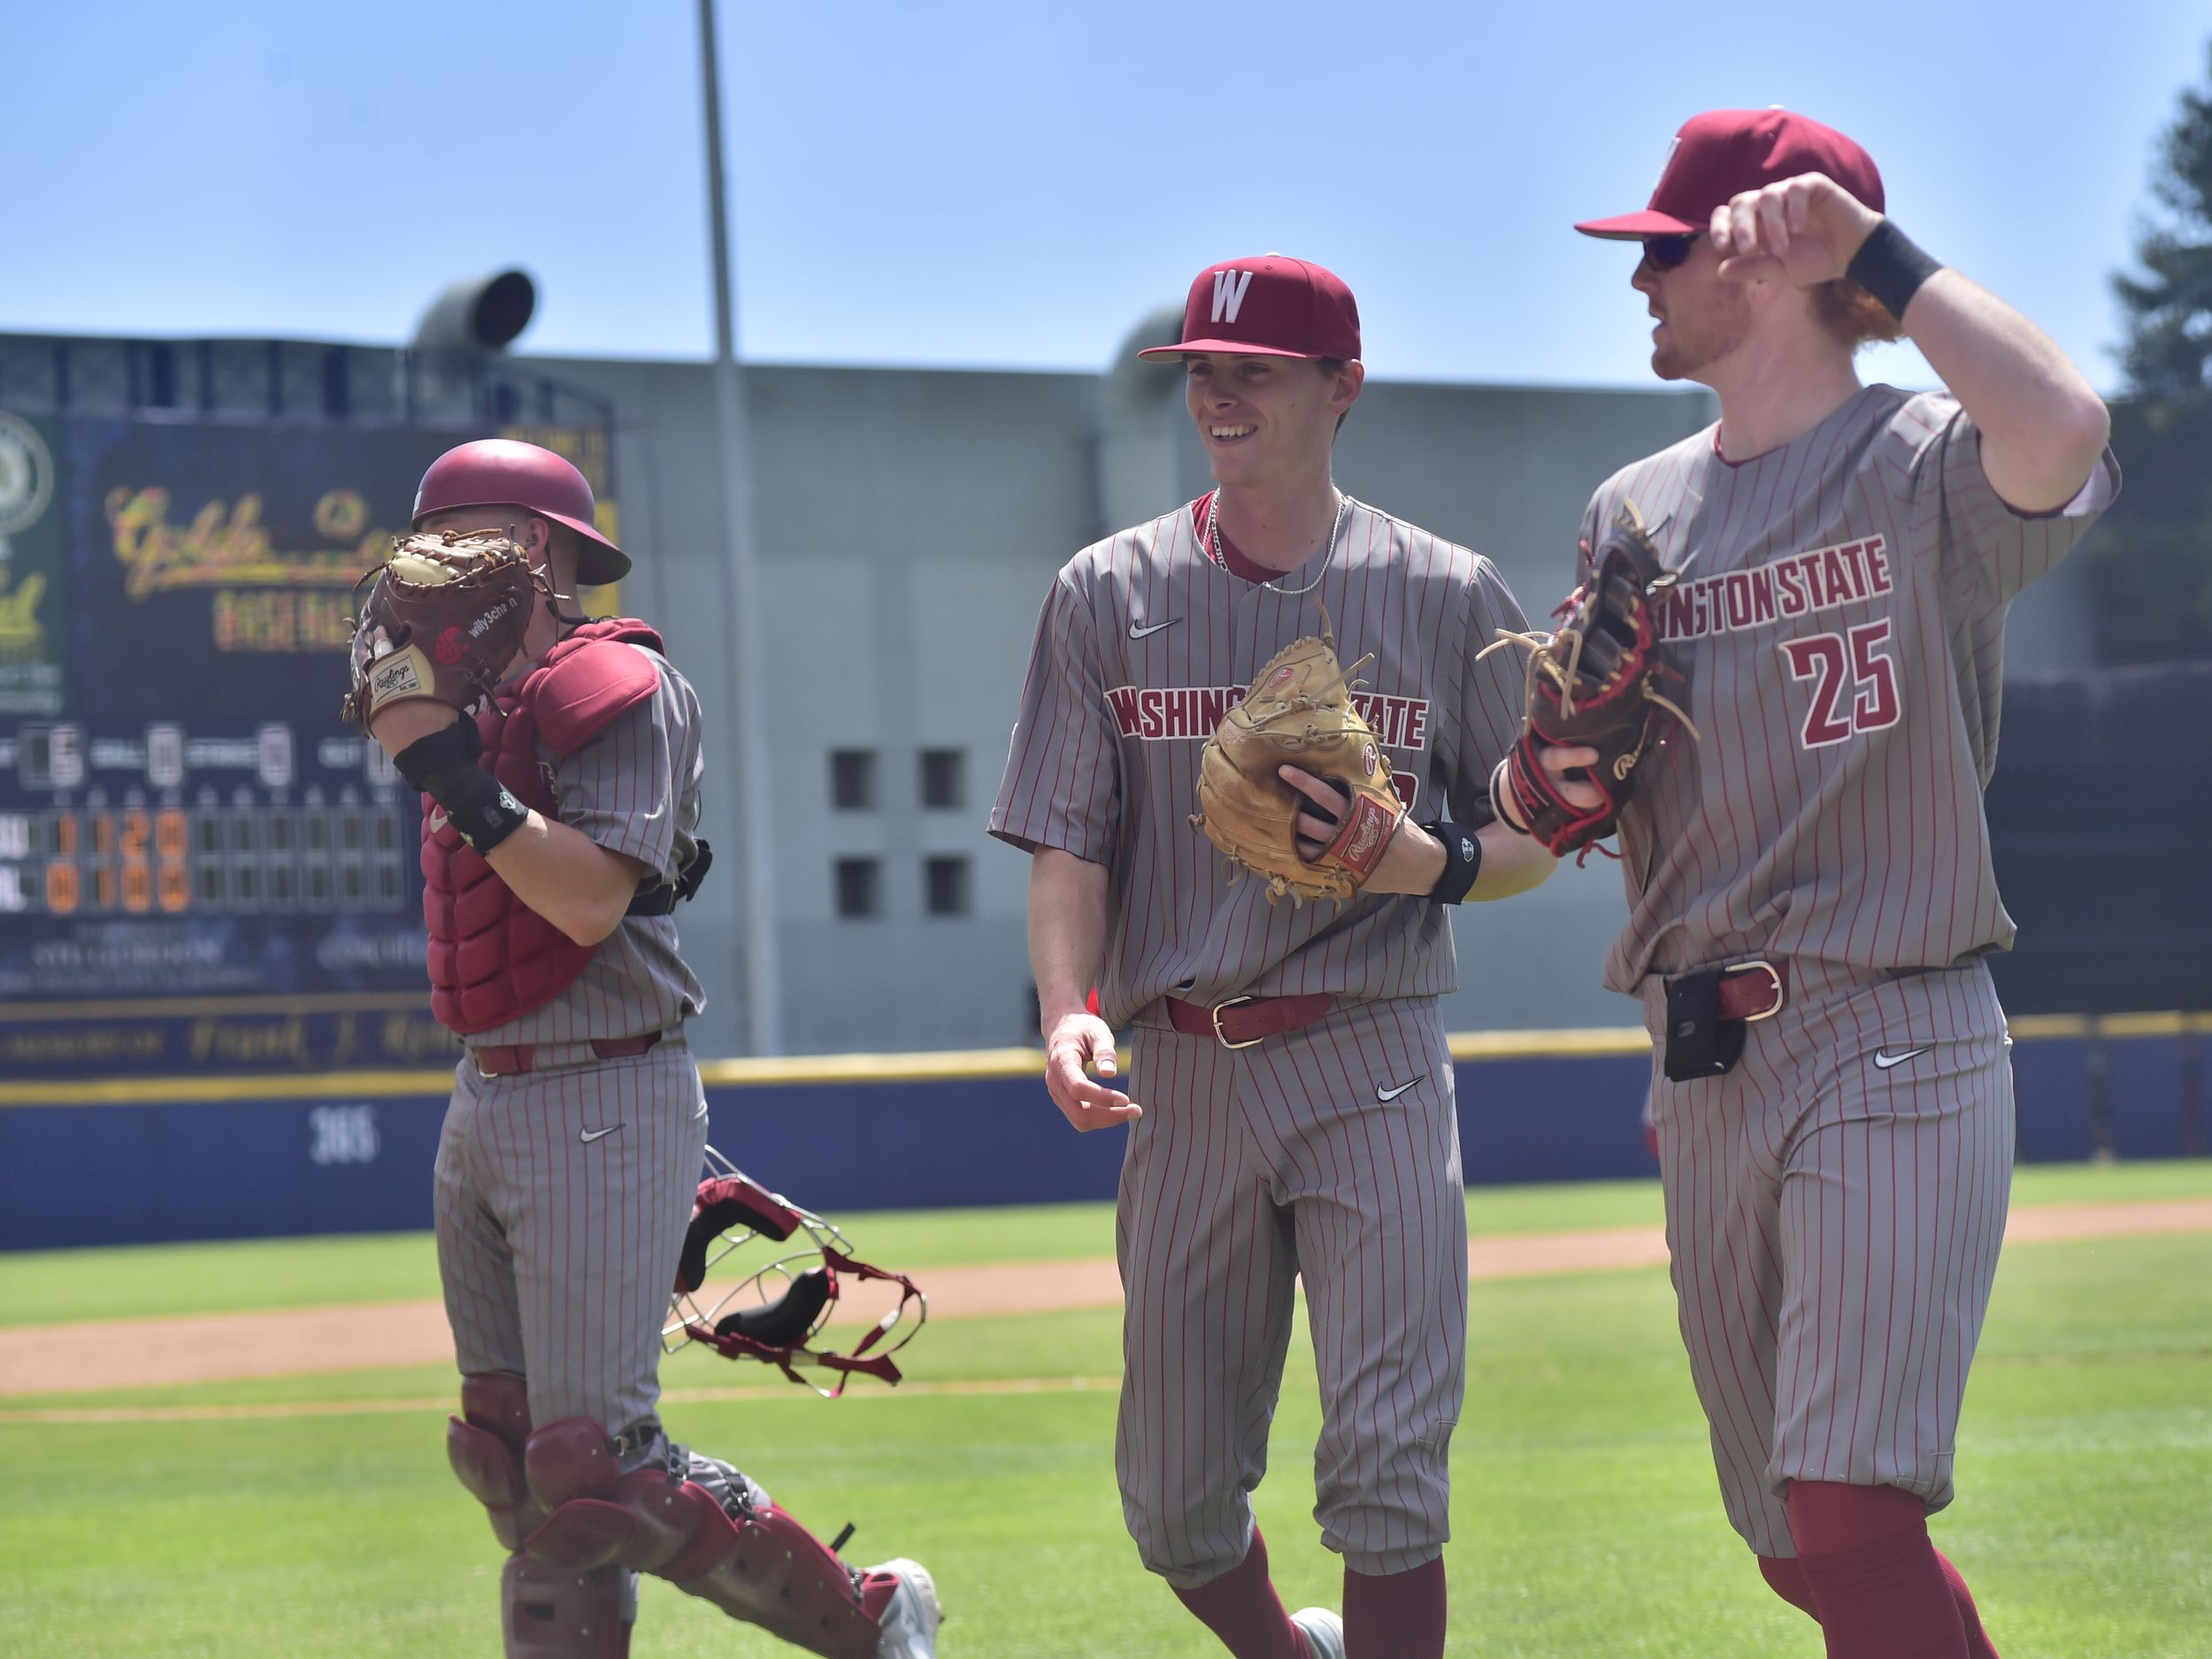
143, 842
200, 864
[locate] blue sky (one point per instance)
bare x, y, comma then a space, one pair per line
1013, 185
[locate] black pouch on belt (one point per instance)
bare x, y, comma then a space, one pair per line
1700, 1043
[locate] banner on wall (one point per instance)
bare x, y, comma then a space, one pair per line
200, 864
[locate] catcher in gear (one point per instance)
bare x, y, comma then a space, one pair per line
1298, 1118
1594, 687
560, 766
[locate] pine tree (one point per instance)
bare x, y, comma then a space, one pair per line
2150, 592
2169, 309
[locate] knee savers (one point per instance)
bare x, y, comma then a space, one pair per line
545, 1612
564, 1505
484, 1445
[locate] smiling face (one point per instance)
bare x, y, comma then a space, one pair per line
1701, 318
1268, 421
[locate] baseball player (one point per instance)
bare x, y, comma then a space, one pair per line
558, 835
1811, 900
1298, 1115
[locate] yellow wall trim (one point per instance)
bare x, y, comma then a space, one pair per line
956, 1064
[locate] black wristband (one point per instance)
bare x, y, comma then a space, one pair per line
478, 806
445, 749
1463, 862
1891, 267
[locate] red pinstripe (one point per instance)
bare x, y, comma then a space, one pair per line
1874, 1201
1250, 1168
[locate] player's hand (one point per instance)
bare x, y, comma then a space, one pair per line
1560, 761
399, 724
1803, 230
1075, 1042
1410, 864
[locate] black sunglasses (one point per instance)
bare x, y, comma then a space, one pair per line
1666, 253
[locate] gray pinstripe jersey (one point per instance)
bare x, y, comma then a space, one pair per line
634, 789
1840, 617
1144, 641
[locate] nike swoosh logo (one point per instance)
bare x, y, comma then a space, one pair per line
438, 819
1392, 1093
1883, 1062
590, 1135
1136, 632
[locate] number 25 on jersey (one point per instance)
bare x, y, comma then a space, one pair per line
1854, 682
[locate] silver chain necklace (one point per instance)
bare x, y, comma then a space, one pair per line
1213, 541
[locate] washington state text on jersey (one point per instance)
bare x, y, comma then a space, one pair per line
1795, 585
1158, 713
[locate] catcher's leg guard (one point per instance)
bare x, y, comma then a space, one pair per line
544, 1613
548, 1613
753, 1561
484, 1445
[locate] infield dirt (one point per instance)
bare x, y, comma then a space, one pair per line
89, 1357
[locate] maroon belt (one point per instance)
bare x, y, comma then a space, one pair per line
1243, 1021
1753, 990
513, 1059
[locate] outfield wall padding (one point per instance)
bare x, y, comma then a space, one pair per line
125, 1169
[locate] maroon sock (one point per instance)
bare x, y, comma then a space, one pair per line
1394, 1615
1977, 1642
1242, 1609
1878, 1585
1786, 1581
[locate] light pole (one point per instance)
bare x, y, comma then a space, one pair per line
746, 721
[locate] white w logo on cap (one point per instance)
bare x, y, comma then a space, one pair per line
1229, 288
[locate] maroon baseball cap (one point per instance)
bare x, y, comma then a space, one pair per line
1272, 306
1723, 153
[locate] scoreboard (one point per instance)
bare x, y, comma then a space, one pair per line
150, 842
200, 864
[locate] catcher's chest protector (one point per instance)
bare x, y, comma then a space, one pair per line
492, 957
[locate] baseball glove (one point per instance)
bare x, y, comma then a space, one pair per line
1594, 684
1300, 713
444, 616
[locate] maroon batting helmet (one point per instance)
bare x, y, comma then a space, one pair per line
504, 473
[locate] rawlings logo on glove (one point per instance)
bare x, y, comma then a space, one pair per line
1298, 713
1593, 684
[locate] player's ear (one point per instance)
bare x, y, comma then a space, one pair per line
1351, 376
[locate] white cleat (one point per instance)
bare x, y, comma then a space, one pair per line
910, 1619
1324, 1631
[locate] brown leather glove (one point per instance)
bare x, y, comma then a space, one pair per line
1300, 713
444, 617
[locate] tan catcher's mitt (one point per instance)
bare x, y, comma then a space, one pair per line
1298, 713
1594, 684
444, 617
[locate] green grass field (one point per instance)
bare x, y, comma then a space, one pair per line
1586, 1520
